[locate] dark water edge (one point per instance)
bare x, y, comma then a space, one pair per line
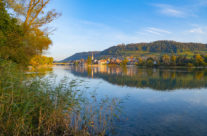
160, 102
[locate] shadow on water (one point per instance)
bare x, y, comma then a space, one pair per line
161, 79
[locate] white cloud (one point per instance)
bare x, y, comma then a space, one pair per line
157, 31
170, 10
197, 30
195, 33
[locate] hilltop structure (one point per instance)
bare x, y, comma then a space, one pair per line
92, 57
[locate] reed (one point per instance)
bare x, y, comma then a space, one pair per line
41, 106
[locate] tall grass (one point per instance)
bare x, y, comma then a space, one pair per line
40, 106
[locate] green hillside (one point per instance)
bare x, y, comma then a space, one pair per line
81, 55
156, 48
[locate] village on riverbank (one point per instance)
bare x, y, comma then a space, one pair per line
197, 60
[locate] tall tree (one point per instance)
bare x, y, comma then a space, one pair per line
10, 35
124, 62
198, 60
89, 60
165, 59
32, 12
25, 38
173, 60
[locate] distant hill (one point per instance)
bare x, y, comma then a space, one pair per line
146, 49
82, 55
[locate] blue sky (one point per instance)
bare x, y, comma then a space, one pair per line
94, 25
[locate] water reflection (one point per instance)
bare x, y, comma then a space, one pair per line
158, 79
146, 112
40, 71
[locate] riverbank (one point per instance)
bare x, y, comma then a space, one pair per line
38, 105
115, 65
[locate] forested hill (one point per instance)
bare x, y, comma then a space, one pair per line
147, 49
81, 55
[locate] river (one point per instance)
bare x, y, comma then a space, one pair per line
157, 102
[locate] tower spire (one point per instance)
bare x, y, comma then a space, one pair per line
92, 58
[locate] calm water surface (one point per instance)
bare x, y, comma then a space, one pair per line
160, 102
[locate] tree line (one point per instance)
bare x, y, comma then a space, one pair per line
155, 47
173, 60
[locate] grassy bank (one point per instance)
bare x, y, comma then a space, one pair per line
33, 106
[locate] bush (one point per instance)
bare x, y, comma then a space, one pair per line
190, 65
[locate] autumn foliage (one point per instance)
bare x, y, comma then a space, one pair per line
24, 36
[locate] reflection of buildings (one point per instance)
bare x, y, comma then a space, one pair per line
102, 62
117, 70
92, 73
159, 79
106, 69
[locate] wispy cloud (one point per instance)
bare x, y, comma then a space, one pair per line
170, 10
198, 30
196, 33
157, 31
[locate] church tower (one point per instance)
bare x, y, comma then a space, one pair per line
92, 58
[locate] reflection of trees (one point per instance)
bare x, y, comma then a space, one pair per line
89, 71
40, 71
173, 75
124, 69
199, 75
159, 79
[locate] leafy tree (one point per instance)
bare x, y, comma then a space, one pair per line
41, 60
205, 58
199, 60
182, 60
89, 60
140, 61
23, 39
11, 46
190, 65
150, 62
173, 60
32, 13
124, 62
165, 59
